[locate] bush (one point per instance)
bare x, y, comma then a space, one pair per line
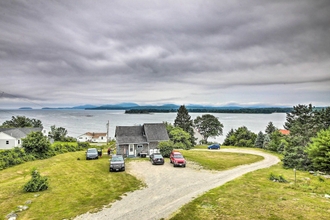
37, 182
165, 148
279, 178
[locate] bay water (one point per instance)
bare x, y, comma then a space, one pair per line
78, 122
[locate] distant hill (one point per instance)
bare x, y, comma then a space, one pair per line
25, 108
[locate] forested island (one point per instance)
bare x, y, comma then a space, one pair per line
213, 110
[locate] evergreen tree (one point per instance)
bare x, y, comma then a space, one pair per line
318, 151
229, 140
270, 128
302, 122
266, 141
259, 140
184, 121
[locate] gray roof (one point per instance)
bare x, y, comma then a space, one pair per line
156, 132
130, 134
141, 134
19, 132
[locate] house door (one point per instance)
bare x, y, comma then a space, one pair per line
131, 150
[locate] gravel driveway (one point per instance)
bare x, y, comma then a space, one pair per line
169, 188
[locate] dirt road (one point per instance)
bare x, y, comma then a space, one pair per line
169, 188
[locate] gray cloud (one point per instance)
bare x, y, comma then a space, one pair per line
208, 52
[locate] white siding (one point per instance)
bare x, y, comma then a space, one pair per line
7, 141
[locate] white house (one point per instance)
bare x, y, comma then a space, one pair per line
93, 137
12, 137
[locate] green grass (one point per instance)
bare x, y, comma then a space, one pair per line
254, 196
76, 187
204, 146
217, 160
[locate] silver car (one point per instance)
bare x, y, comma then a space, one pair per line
91, 154
117, 163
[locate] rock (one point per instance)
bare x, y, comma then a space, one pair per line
28, 202
311, 172
327, 196
327, 176
22, 208
11, 216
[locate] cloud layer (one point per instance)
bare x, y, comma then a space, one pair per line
65, 53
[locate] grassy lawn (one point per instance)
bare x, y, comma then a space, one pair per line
76, 187
217, 160
203, 146
254, 196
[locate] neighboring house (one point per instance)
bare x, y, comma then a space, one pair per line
283, 131
12, 137
93, 137
132, 141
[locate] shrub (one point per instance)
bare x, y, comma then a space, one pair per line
165, 148
37, 182
279, 178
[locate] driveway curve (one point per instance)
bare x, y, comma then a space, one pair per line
169, 188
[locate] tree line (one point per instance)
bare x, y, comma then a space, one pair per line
213, 110
306, 147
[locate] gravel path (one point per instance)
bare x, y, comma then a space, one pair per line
169, 188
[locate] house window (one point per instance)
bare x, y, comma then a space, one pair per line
19, 141
139, 146
101, 138
7, 142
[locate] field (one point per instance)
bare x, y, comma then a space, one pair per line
255, 196
78, 186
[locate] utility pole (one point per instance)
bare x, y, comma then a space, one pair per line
108, 132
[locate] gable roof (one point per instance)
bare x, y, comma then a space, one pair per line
141, 133
19, 132
156, 132
130, 134
95, 135
283, 131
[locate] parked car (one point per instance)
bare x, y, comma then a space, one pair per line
177, 159
214, 146
117, 163
91, 154
157, 158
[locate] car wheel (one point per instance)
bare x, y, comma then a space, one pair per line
184, 165
173, 165
152, 162
123, 169
110, 170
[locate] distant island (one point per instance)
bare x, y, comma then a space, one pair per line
133, 108
25, 108
214, 110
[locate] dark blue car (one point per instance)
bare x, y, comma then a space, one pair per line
214, 146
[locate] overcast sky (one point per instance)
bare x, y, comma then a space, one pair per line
68, 53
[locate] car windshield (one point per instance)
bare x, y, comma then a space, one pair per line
117, 159
158, 156
92, 151
178, 156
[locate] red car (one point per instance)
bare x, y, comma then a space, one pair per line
177, 159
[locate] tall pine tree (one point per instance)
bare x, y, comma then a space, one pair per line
184, 121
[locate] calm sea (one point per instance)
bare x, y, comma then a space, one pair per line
78, 122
